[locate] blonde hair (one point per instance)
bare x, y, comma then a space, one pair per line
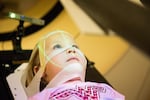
34, 61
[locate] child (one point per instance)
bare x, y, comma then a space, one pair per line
56, 71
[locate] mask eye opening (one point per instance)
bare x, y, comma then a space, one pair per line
57, 46
75, 46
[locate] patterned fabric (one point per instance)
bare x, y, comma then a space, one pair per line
79, 91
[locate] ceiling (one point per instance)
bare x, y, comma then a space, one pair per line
21, 6
16, 5
32, 13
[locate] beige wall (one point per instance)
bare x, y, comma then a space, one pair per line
131, 75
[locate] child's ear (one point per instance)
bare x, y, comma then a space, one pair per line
35, 69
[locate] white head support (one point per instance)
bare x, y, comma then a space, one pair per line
50, 46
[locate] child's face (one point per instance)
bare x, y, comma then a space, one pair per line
62, 51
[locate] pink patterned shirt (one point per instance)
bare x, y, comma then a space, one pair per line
79, 91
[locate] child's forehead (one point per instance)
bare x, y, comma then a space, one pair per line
59, 38
58, 34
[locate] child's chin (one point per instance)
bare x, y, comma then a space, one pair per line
74, 79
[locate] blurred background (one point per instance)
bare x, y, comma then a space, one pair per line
113, 34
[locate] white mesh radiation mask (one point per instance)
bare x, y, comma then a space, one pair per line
52, 45
56, 43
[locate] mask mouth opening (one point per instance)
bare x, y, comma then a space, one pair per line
72, 58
